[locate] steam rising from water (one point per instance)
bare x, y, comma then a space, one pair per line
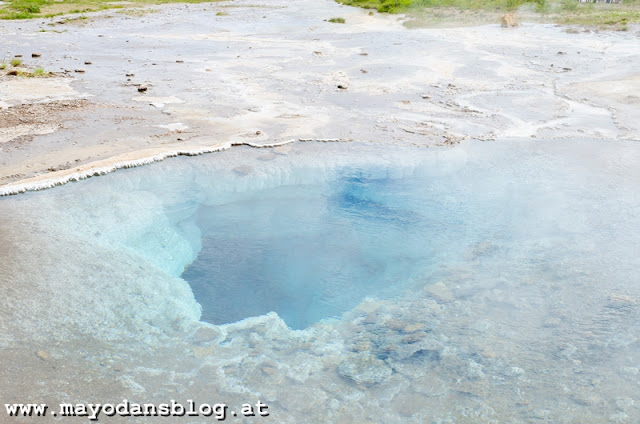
487, 266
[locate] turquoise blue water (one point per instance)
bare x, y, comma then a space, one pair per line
313, 251
491, 282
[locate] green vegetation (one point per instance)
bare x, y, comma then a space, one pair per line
16, 62
38, 72
222, 14
616, 19
421, 12
567, 12
26, 9
3, 65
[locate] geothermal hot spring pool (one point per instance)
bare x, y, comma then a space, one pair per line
487, 278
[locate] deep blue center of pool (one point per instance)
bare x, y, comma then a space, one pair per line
310, 252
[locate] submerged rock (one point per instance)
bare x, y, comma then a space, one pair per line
205, 334
364, 368
243, 170
440, 292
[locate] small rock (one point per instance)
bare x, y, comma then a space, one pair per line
258, 132
86, 62
426, 96
268, 370
566, 351
117, 367
205, 334
364, 368
36, 54
130, 75
395, 324
412, 328
342, 87
586, 399
562, 52
42, 355
474, 369
179, 61
18, 55
440, 292
243, 170
566, 69
622, 299
267, 157
201, 352
413, 338
509, 20
142, 89
362, 346
282, 150
80, 71
12, 72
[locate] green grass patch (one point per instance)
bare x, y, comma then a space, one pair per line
601, 17
425, 13
16, 62
26, 9
403, 6
337, 20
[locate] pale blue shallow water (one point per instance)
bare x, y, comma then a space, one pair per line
310, 231
314, 251
495, 280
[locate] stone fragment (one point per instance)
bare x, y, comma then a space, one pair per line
509, 20
36, 54
412, 328
205, 334
243, 170
269, 370
440, 292
42, 355
364, 368
622, 299
201, 352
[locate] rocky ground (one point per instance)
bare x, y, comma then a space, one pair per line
279, 72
